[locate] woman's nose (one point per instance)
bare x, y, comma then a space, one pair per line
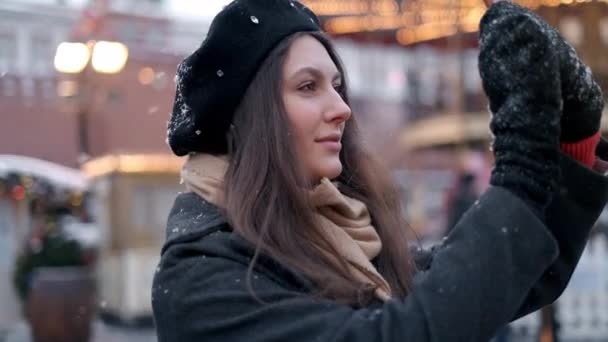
338, 110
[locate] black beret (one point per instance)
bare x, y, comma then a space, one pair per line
212, 80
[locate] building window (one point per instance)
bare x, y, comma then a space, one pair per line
48, 89
129, 33
27, 87
8, 52
572, 29
43, 52
154, 37
9, 87
472, 80
604, 30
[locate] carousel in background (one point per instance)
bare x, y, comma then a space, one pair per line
425, 54
446, 32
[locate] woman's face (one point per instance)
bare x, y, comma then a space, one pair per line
316, 111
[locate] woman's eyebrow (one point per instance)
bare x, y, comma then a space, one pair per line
315, 72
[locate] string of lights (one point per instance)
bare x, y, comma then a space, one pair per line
411, 21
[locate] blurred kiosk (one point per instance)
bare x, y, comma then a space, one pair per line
132, 198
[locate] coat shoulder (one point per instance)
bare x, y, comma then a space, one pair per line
201, 244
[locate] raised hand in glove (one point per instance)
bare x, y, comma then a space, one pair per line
582, 96
520, 74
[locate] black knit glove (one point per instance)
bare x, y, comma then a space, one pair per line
520, 75
583, 100
582, 96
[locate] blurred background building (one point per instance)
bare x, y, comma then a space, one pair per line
98, 108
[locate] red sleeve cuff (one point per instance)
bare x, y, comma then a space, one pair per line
584, 150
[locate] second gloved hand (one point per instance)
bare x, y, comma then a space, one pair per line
520, 75
582, 96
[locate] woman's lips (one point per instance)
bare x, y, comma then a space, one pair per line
333, 145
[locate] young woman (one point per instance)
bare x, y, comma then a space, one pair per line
292, 232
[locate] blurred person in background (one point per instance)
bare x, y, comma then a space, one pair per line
291, 231
460, 199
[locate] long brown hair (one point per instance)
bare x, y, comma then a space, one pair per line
266, 204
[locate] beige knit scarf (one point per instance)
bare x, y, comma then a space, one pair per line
347, 221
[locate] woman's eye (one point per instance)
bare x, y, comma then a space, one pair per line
310, 86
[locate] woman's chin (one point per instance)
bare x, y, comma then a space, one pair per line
331, 170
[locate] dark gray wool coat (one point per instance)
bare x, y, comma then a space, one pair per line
500, 262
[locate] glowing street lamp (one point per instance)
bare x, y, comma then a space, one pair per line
71, 58
109, 57
105, 57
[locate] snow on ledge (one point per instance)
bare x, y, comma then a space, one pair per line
56, 174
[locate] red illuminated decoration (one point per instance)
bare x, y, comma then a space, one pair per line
18, 192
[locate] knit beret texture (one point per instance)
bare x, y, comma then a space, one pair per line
212, 80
